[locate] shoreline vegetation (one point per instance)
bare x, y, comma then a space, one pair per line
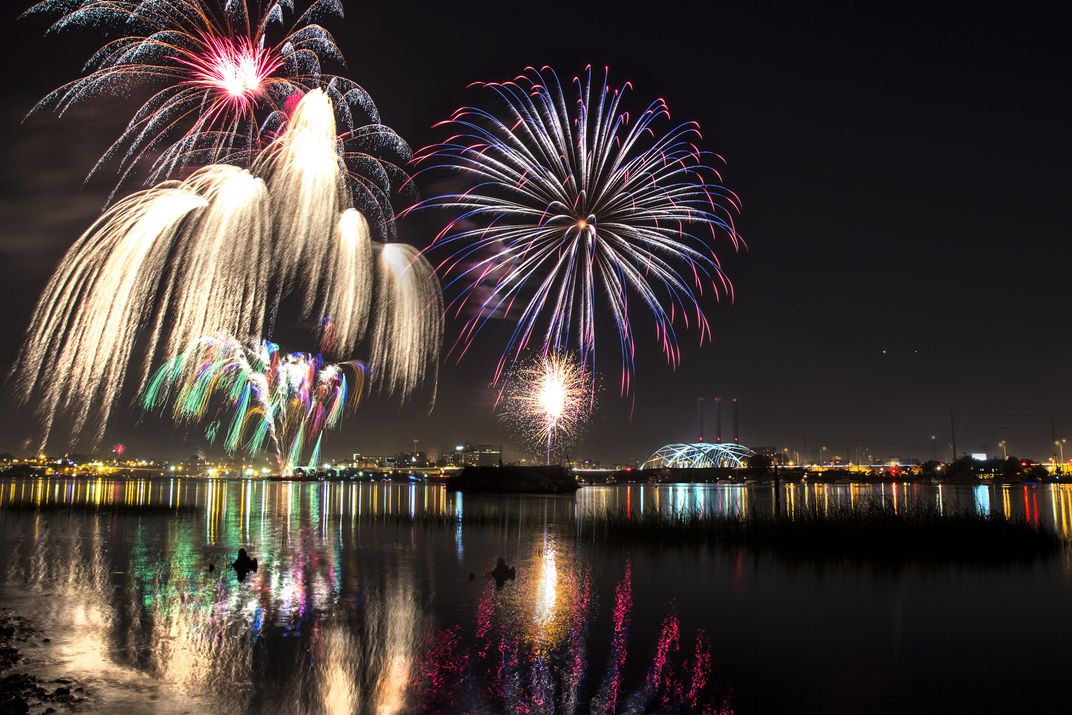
559, 479
866, 533
515, 480
871, 532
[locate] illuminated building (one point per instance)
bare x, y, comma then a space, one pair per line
481, 455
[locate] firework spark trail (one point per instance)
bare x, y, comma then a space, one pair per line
549, 401
98, 297
408, 328
282, 400
216, 287
211, 255
308, 182
349, 282
222, 76
567, 200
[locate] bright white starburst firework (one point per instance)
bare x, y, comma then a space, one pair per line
549, 401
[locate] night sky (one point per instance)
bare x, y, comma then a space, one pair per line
905, 179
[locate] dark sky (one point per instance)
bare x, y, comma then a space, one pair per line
905, 178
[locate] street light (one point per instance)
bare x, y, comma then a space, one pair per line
822, 452
1004, 450
1060, 444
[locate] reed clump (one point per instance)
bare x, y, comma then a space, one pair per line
870, 532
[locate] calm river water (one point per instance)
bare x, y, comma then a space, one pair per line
355, 610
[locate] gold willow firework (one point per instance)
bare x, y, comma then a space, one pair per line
212, 255
549, 402
574, 203
224, 75
281, 402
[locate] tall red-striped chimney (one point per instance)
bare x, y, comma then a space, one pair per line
699, 410
736, 423
718, 420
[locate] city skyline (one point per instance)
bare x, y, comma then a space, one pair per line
881, 287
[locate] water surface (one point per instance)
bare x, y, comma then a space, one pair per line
353, 609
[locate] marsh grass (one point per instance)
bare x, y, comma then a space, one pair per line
871, 532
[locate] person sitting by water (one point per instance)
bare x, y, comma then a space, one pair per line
501, 573
243, 564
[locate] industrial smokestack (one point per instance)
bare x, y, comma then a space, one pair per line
736, 423
718, 420
699, 410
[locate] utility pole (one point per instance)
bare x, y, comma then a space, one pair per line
953, 434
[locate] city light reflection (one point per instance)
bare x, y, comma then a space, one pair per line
341, 574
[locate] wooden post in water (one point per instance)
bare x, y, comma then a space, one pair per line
777, 491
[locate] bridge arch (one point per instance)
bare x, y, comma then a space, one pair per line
699, 455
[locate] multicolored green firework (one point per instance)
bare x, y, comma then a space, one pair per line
277, 401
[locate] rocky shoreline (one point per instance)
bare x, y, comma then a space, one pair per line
22, 692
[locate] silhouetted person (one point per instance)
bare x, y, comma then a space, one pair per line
502, 573
243, 564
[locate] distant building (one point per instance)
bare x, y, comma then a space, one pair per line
412, 460
369, 461
776, 456
480, 455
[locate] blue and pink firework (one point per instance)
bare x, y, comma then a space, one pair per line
573, 204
